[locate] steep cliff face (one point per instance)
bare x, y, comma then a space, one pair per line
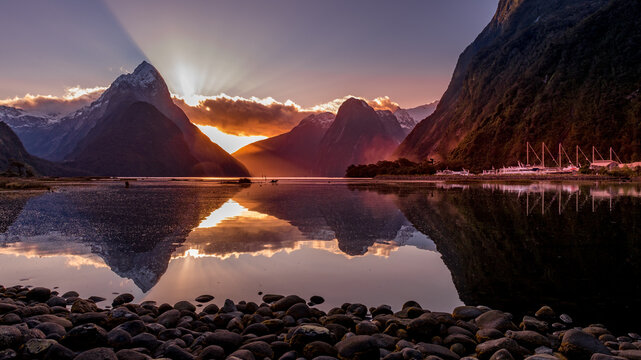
542, 70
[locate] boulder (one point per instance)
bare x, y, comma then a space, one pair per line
466, 312
358, 347
286, 302
39, 294
487, 349
529, 339
495, 319
10, 337
302, 335
437, 350
502, 354
97, 354
577, 344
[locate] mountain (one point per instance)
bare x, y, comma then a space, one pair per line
358, 135
12, 150
408, 118
133, 141
290, 154
31, 129
542, 70
134, 242
67, 138
476, 240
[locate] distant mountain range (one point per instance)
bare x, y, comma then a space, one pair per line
542, 70
133, 129
294, 153
408, 118
12, 152
325, 145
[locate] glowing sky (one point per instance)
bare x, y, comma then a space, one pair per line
308, 51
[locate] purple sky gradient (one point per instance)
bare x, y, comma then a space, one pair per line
307, 51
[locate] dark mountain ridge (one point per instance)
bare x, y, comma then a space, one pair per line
141, 139
545, 70
290, 154
358, 135
12, 151
325, 145
69, 139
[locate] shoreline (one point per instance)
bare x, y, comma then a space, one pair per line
37, 323
511, 178
47, 183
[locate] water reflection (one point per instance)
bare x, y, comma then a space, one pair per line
133, 232
583, 258
511, 246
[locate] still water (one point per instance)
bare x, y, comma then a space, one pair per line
508, 246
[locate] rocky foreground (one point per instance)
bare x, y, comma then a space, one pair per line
37, 323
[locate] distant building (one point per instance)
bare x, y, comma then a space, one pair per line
600, 164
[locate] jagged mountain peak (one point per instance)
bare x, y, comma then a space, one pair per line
542, 70
354, 102
145, 76
10, 111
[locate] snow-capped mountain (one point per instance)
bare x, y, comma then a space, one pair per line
67, 139
408, 118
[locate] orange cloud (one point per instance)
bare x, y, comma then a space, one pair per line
233, 115
379, 103
255, 116
245, 117
73, 99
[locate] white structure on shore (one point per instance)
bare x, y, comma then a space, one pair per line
562, 164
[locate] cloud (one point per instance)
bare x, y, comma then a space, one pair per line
379, 103
255, 116
233, 115
241, 116
73, 99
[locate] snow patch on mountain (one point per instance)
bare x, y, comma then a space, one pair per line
323, 119
18, 118
408, 118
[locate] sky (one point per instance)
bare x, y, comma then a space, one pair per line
307, 52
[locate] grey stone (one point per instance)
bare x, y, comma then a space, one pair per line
502, 354
495, 319
466, 312
10, 337
204, 298
358, 347
260, 349
437, 350
185, 305
97, 354
577, 344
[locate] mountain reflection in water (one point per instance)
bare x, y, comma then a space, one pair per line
509, 246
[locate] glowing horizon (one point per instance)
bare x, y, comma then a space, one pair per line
229, 143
